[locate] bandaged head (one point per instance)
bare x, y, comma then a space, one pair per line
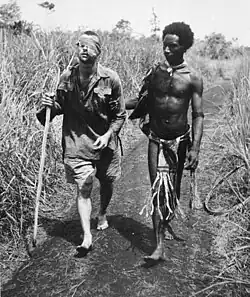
91, 40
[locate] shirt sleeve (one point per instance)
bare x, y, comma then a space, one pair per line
63, 87
117, 105
57, 109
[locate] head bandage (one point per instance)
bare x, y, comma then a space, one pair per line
91, 41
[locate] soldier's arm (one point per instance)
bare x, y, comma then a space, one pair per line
57, 99
56, 108
117, 114
117, 106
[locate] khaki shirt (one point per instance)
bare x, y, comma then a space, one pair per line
90, 113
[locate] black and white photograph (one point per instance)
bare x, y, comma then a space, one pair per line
124, 148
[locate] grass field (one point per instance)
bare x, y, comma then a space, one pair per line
30, 65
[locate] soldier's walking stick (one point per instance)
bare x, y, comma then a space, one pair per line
40, 175
42, 161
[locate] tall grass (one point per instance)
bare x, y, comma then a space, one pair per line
238, 140
229, 148
29, 66
23, 74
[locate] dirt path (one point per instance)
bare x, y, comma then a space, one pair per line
115, 267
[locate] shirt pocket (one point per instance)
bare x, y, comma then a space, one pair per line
103, 92
101, 99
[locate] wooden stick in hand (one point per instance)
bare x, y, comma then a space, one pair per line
40, 175
195, 201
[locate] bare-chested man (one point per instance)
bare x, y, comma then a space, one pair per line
162, 105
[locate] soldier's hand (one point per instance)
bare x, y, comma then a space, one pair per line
192, 160
48, 99
102, 141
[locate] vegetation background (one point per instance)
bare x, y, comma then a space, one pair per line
30, 62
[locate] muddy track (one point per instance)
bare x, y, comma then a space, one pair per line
115, 267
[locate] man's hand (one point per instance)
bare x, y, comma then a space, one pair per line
192, 160
102, 141
48, 99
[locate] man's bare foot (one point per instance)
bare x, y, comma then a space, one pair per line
157, 255
85, 247
169, 232
102, 222
168, 235
87, 242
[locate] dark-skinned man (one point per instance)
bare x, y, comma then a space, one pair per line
162, 106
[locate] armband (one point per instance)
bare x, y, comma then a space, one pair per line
197, 115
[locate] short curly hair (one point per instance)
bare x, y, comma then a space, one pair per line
183, 31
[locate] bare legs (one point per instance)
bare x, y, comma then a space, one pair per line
158, 224
162, 229
84, 209
106, 191
159, 228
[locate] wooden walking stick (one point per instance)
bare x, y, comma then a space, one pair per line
195, 201
40, 175
43, 155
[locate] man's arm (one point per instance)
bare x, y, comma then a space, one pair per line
197, 113
55, 101
117, 113
197, 123
140, 103
117, 106
131, 103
